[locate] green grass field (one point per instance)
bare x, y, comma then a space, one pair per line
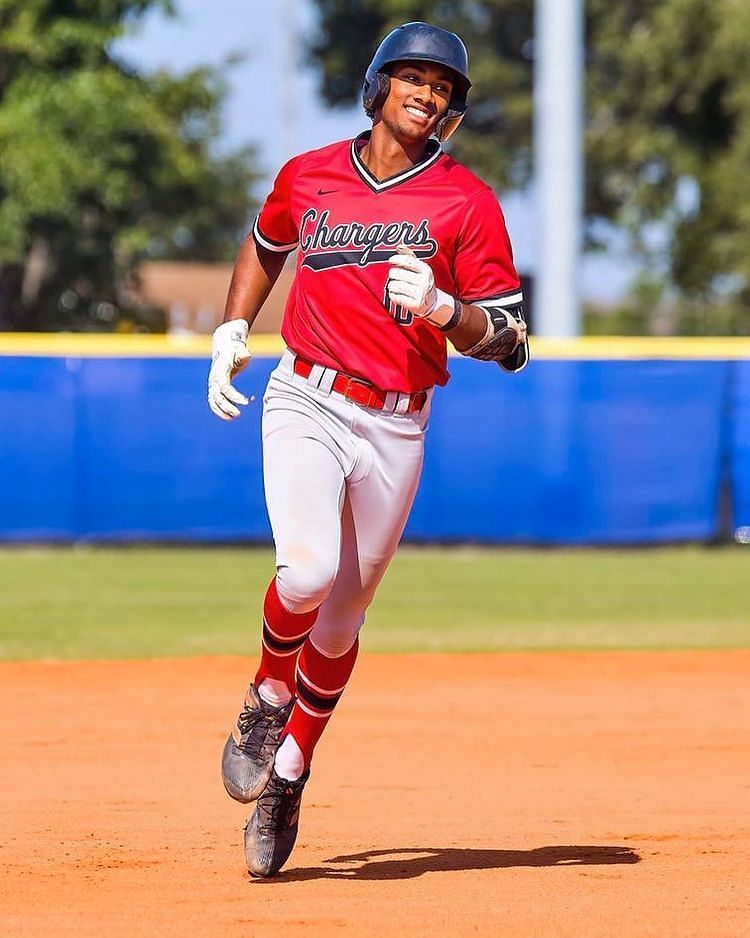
129, 603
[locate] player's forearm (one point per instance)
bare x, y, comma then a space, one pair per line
469, 329
255, 272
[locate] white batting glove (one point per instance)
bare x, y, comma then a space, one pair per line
411, 284
229, 355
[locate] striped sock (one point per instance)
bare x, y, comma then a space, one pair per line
320, 684
284, 633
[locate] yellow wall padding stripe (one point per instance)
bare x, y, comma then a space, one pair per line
100, 345
642, 347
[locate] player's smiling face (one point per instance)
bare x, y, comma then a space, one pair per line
419, 96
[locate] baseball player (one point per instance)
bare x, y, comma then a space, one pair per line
399, 248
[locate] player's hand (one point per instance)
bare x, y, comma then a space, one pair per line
229, 355
411, 282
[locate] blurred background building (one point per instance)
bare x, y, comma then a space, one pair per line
193, 295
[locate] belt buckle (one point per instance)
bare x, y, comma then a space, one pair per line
365, 386
373, 402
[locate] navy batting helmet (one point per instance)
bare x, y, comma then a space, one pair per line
414, 42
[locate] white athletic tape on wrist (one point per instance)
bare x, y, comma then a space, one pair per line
443, 308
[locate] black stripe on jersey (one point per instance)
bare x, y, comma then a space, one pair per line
433, 152
327, 259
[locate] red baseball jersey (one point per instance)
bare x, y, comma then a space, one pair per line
346, 224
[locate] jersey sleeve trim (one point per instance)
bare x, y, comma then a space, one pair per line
508, 298
270, 245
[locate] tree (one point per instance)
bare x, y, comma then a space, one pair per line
667, 135
100, 166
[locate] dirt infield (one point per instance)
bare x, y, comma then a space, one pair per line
512, 794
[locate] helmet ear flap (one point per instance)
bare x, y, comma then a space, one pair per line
375, 92
448, 125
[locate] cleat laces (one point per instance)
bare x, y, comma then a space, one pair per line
279, 805
258, 730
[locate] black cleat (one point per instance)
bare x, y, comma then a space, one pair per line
272, 829
247, 760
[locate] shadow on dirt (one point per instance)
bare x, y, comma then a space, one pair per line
410, 862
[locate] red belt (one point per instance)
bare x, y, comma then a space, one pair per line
361, 391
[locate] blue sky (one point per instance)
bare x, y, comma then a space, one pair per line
207, 33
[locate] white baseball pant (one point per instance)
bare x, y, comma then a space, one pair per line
339, 481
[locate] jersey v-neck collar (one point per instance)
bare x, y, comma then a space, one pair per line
434, 152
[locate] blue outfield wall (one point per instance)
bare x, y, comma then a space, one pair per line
575, 452
568, 451
121, 449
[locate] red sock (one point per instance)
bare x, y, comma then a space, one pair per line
320, 684
284, 633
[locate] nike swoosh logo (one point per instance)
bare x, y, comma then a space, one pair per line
326, 191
